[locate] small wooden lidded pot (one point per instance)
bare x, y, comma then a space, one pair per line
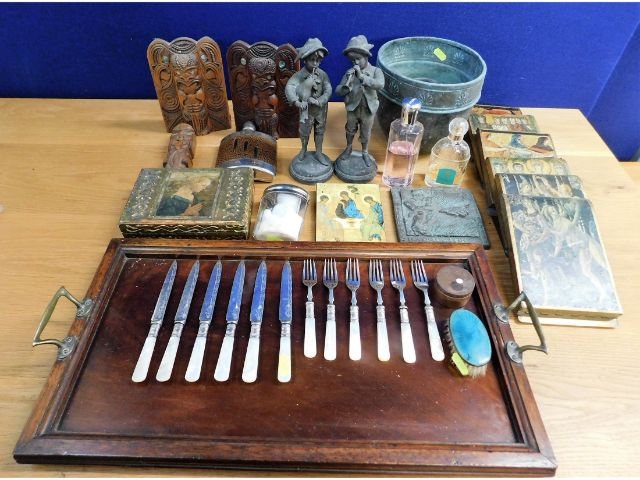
453, 286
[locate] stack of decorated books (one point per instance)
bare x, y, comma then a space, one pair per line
547, 225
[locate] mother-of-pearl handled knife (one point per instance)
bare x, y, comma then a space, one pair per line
286, 318
206, 315
142, 366
223, 366
250, 370
169, 357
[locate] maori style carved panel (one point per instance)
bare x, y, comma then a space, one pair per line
189, 81
258, 75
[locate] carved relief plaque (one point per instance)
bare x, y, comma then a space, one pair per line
438, 214
189, 81
258, 75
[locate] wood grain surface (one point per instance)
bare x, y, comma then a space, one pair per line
339, 416
68, 166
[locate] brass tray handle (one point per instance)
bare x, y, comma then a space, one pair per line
511, 347
66, 346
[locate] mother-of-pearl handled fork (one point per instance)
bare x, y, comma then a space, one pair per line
398, 282
421, 282
376, 280
353, 282
309, 279
330, 280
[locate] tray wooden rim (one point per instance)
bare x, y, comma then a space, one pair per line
42, 442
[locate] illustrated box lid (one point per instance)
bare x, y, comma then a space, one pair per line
211, 203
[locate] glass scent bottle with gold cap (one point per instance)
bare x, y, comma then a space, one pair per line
405, 135
449, 156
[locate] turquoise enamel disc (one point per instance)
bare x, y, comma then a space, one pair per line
470, 337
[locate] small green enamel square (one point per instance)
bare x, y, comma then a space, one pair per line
440, 54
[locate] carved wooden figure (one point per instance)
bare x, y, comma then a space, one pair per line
182, 147
258, 75
189, 80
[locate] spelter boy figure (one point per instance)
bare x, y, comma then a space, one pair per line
310, 90
359, 86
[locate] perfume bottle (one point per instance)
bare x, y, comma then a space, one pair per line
449, 156
405, 135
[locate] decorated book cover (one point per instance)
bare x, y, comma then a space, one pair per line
560, 262
349, 213
512, 145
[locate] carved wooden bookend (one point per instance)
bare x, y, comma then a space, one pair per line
182, 147
189, 80
258, 75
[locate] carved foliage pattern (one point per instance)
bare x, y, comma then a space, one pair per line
231, 204
143, 194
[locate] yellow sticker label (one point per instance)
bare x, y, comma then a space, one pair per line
440, 54
460, 364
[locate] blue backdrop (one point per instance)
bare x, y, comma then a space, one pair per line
538, 55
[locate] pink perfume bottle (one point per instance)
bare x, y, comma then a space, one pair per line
405, 135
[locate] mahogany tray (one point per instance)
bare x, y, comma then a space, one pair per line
339, 416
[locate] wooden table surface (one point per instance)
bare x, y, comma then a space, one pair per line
68, 166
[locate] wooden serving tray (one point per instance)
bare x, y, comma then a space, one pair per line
341, 416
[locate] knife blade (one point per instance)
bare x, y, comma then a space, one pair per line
169, 357
223, 366
142, 366
250, 370
285, 315
206, 315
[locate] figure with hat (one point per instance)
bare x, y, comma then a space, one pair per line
359, 86
310, 89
